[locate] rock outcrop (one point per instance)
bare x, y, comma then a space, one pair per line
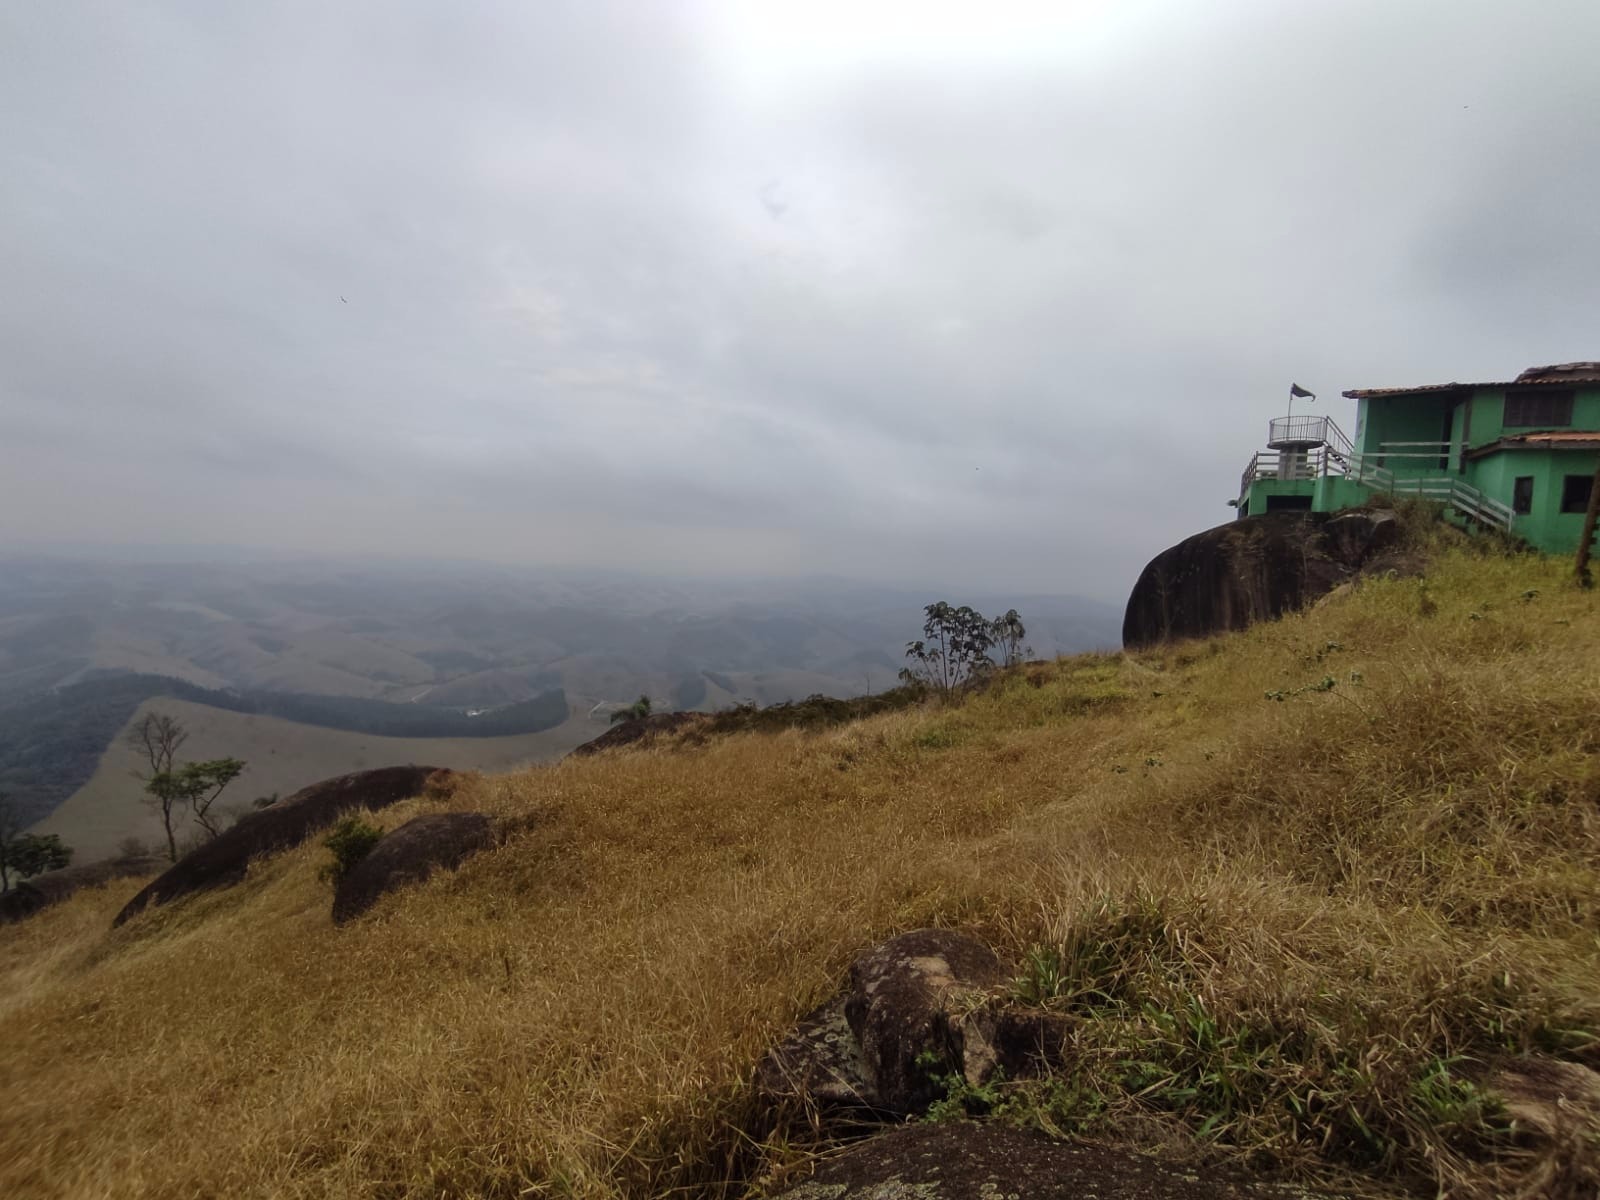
923, 997
1255, 569
224, 859
964, 1160
52, 887
408, 855
643, 729
901, 1007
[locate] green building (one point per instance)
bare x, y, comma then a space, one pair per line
1517, 455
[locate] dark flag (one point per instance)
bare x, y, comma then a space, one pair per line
1296, 390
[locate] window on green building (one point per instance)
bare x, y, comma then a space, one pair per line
1538, 408
1522, 494
1575, 493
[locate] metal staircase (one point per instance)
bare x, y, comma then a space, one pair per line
1310, 447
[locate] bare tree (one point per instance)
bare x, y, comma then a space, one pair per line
157, 738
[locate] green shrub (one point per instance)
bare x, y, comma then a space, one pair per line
351, 840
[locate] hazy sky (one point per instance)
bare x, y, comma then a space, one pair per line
912, 290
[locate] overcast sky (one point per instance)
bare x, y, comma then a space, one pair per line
907, 290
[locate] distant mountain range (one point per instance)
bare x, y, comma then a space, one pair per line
423, 652
474, 637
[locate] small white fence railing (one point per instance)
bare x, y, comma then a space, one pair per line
1399, 468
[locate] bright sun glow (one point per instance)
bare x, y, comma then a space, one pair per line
822, 33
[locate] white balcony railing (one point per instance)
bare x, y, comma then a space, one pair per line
1305, 431
1405, 468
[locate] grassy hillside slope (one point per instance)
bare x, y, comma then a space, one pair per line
1289, 886
282, 757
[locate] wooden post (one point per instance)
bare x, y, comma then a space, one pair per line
1586, 539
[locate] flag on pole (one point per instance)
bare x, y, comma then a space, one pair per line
1298, 392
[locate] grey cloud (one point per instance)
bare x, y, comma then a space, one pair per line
593, 283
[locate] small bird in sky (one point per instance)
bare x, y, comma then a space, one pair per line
342, 300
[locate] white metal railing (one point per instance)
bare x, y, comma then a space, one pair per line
1400, 468
1306, 431
1447, 489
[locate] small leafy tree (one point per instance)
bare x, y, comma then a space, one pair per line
204, 782
351, 840
954, 648
164, 792
195, 785
26, 854
35, 853
637, 711
1008, 633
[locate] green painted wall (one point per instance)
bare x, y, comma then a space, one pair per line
1546, 527
1480, 421
1263, 489
1335, 492
1474, 422
1489, 410
1403, 419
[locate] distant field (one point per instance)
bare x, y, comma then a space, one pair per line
283, 756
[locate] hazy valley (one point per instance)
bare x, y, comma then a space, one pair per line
307, 669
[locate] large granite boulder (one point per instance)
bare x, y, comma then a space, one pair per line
52, 887
408, 855
968, 1160
902, 1005
1255, 569
224, 860
925, 997
820, 1063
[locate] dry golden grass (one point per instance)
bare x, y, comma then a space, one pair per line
1305, 896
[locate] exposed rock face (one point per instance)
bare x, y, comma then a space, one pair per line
899, 1008
408, 855
646, 729
52, 887
962, 1160
1254, 569
224, 859
925, 992
819, 1062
